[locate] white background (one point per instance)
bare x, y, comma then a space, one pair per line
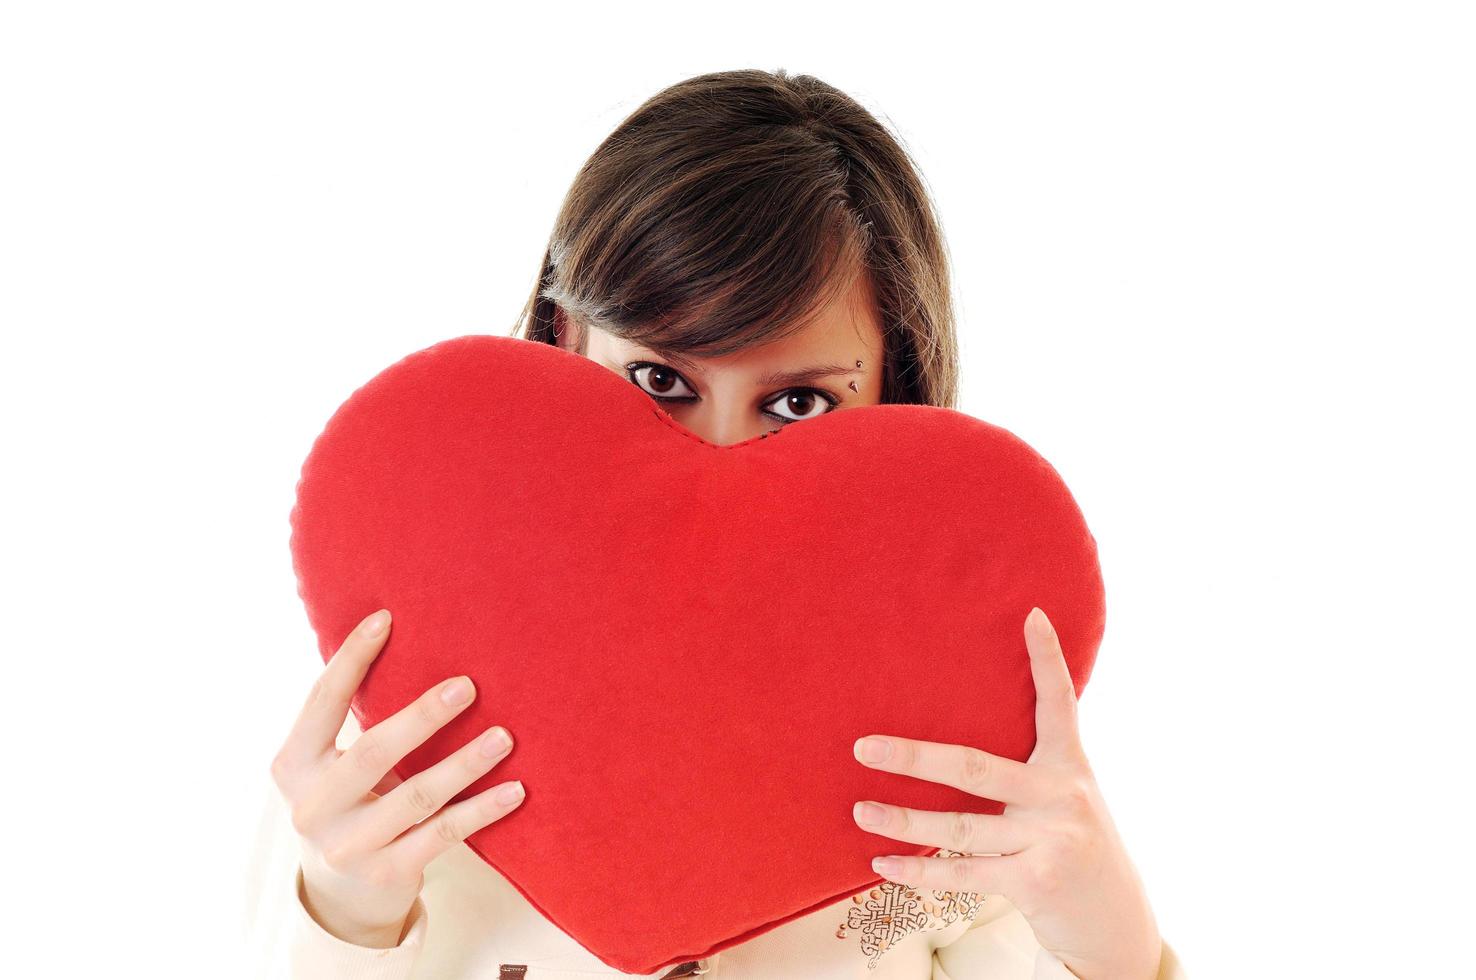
1214, 261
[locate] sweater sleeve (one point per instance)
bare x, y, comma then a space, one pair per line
1048, 967
284, 940
1005, 946
318, 954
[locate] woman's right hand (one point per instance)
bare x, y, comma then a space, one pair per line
366, 836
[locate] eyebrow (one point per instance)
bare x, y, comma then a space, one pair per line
791, 377
801, 375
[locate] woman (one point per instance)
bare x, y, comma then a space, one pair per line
752, 250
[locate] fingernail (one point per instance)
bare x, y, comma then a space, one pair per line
1039, 622
873, 749
886, 866
510, 793
375, 624
869, 814
496, 741
456, 692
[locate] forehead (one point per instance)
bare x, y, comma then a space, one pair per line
847, 325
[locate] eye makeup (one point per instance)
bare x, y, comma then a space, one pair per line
830, 398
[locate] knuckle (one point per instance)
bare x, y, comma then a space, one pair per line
301, 825
447, 830
368, 753
1078, 795
959, 873
305, 820
977, 769
419, 798
428, 709
1045, 875
961, 831
322, 690
338, 856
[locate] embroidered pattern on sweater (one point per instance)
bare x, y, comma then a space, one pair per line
881, 916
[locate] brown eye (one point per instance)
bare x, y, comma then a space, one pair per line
660, 381
803, 402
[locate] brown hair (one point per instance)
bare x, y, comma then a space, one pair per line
719, 213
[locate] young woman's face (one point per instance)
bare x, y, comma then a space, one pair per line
744, 394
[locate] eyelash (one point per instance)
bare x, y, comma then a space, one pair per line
635, 366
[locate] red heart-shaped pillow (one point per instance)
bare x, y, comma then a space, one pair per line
685, 639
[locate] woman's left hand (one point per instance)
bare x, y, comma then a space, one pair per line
1053, 853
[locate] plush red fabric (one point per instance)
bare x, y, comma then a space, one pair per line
685, 639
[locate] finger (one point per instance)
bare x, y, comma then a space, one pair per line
316, 729
972, 770
971, 833
364, 763
452, 825
1056, 730
427, 791
987, 875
